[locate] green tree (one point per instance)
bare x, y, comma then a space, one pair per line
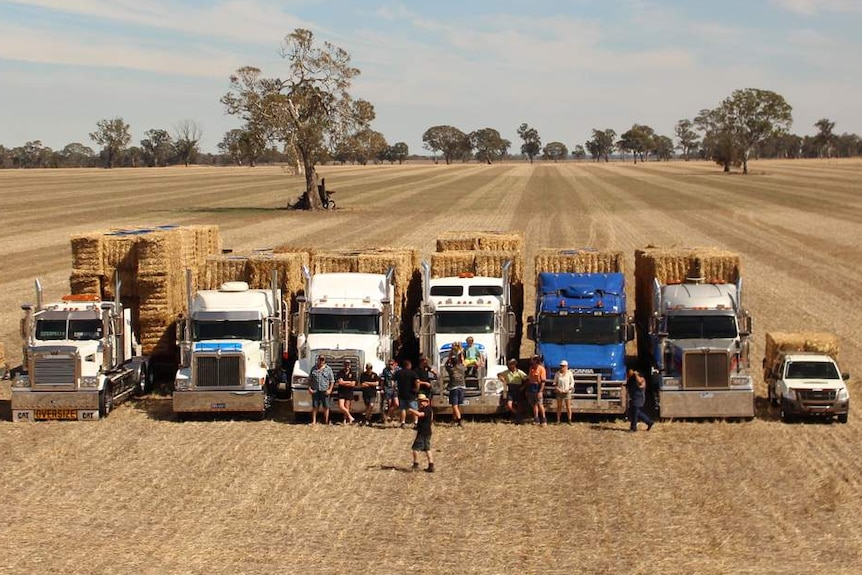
489, 145
157, 147
638, 141
602, 144
309, 110
532, 142
399, 152
77, 155
447, 140
187, 136
579, 153
555, 151
718, 138
113, 135
686, 137
663, 147
754, 116
367, 145
825, 138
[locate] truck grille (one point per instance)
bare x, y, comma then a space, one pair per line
705, 370
219, 371
817, 396
54, 372
335, 359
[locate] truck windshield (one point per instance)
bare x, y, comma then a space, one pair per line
76, 329
246, 329
465, 322
586, 329
701, 327
366, 324
812, 370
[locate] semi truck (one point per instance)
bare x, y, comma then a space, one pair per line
343, 316
698, 349
231, 342
455, 308
581, 317
803, 379
81, 358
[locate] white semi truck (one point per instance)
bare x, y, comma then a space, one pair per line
699, 345
455, 308
231, 342
344, 317
81, 358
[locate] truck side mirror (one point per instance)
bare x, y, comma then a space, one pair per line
845, 376
630, 332
531, 319
294, 321
531, 331
511, 323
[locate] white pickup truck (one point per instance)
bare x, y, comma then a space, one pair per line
808, 383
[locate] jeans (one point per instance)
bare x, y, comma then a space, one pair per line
636, 414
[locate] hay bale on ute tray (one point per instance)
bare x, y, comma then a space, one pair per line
483, 240
819, 342
579, 260
676, 265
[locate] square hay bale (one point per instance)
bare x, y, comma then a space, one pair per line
161, 252
128, 285
323, 262
119, 250
579, 260
225, 268
819, 342
288, 266
484, 240
405, 262
457, 242
85, 283
676, 265
490, 263
87, 252
451, 263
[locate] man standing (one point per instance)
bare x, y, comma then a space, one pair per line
636, 389
408, 389
424, 416
346, 383
513, 378
368, 382
456, 385
390, 390
536, 390
320, 382
427, 377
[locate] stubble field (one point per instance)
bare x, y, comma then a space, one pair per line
142, 493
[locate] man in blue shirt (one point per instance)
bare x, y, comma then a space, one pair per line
320, 383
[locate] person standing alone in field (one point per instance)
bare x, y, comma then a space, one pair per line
320, 382
636, 389
425, 417
564, 382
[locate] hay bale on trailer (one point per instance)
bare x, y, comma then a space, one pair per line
579, 260
225, 268
85, 283
288, 266
87, 255
819, 342
485, 241
344, 261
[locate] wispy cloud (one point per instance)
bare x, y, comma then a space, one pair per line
811, 7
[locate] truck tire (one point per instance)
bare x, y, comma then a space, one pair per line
785, 414
143, 380
842, 417
773, 400
106, 401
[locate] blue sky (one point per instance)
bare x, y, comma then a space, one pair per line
564, 67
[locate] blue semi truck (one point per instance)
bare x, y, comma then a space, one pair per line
581, 317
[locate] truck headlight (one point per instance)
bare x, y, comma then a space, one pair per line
738, 380
181, 384
843, 395
493, 386
254, 381
790, 394
89, 381
300, 381
23, 380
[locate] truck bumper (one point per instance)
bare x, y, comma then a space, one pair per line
30, 405
196, 401
302, 402
488, 404
707, 403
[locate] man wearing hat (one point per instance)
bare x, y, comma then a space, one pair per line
425, 416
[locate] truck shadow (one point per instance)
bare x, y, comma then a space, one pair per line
160, 408
5, 410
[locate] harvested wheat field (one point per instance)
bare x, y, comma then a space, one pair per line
142, 493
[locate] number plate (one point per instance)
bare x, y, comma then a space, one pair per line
218, 405
56, 414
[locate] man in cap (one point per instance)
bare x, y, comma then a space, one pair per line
320, 383
424, 416
368, 382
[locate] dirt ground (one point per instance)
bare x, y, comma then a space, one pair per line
142, 493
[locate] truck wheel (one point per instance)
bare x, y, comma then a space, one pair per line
785, 414
106, 401
773, 400
143, 380
842, 417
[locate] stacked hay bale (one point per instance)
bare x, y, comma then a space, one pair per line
256, 270
483, 254
580, 260
4, 368
676, 265
150, 264
819, 342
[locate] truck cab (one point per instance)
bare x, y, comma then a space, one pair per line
231, 342
455, 308
344, 317
581, 317
808, 384
699, 338
80, 359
